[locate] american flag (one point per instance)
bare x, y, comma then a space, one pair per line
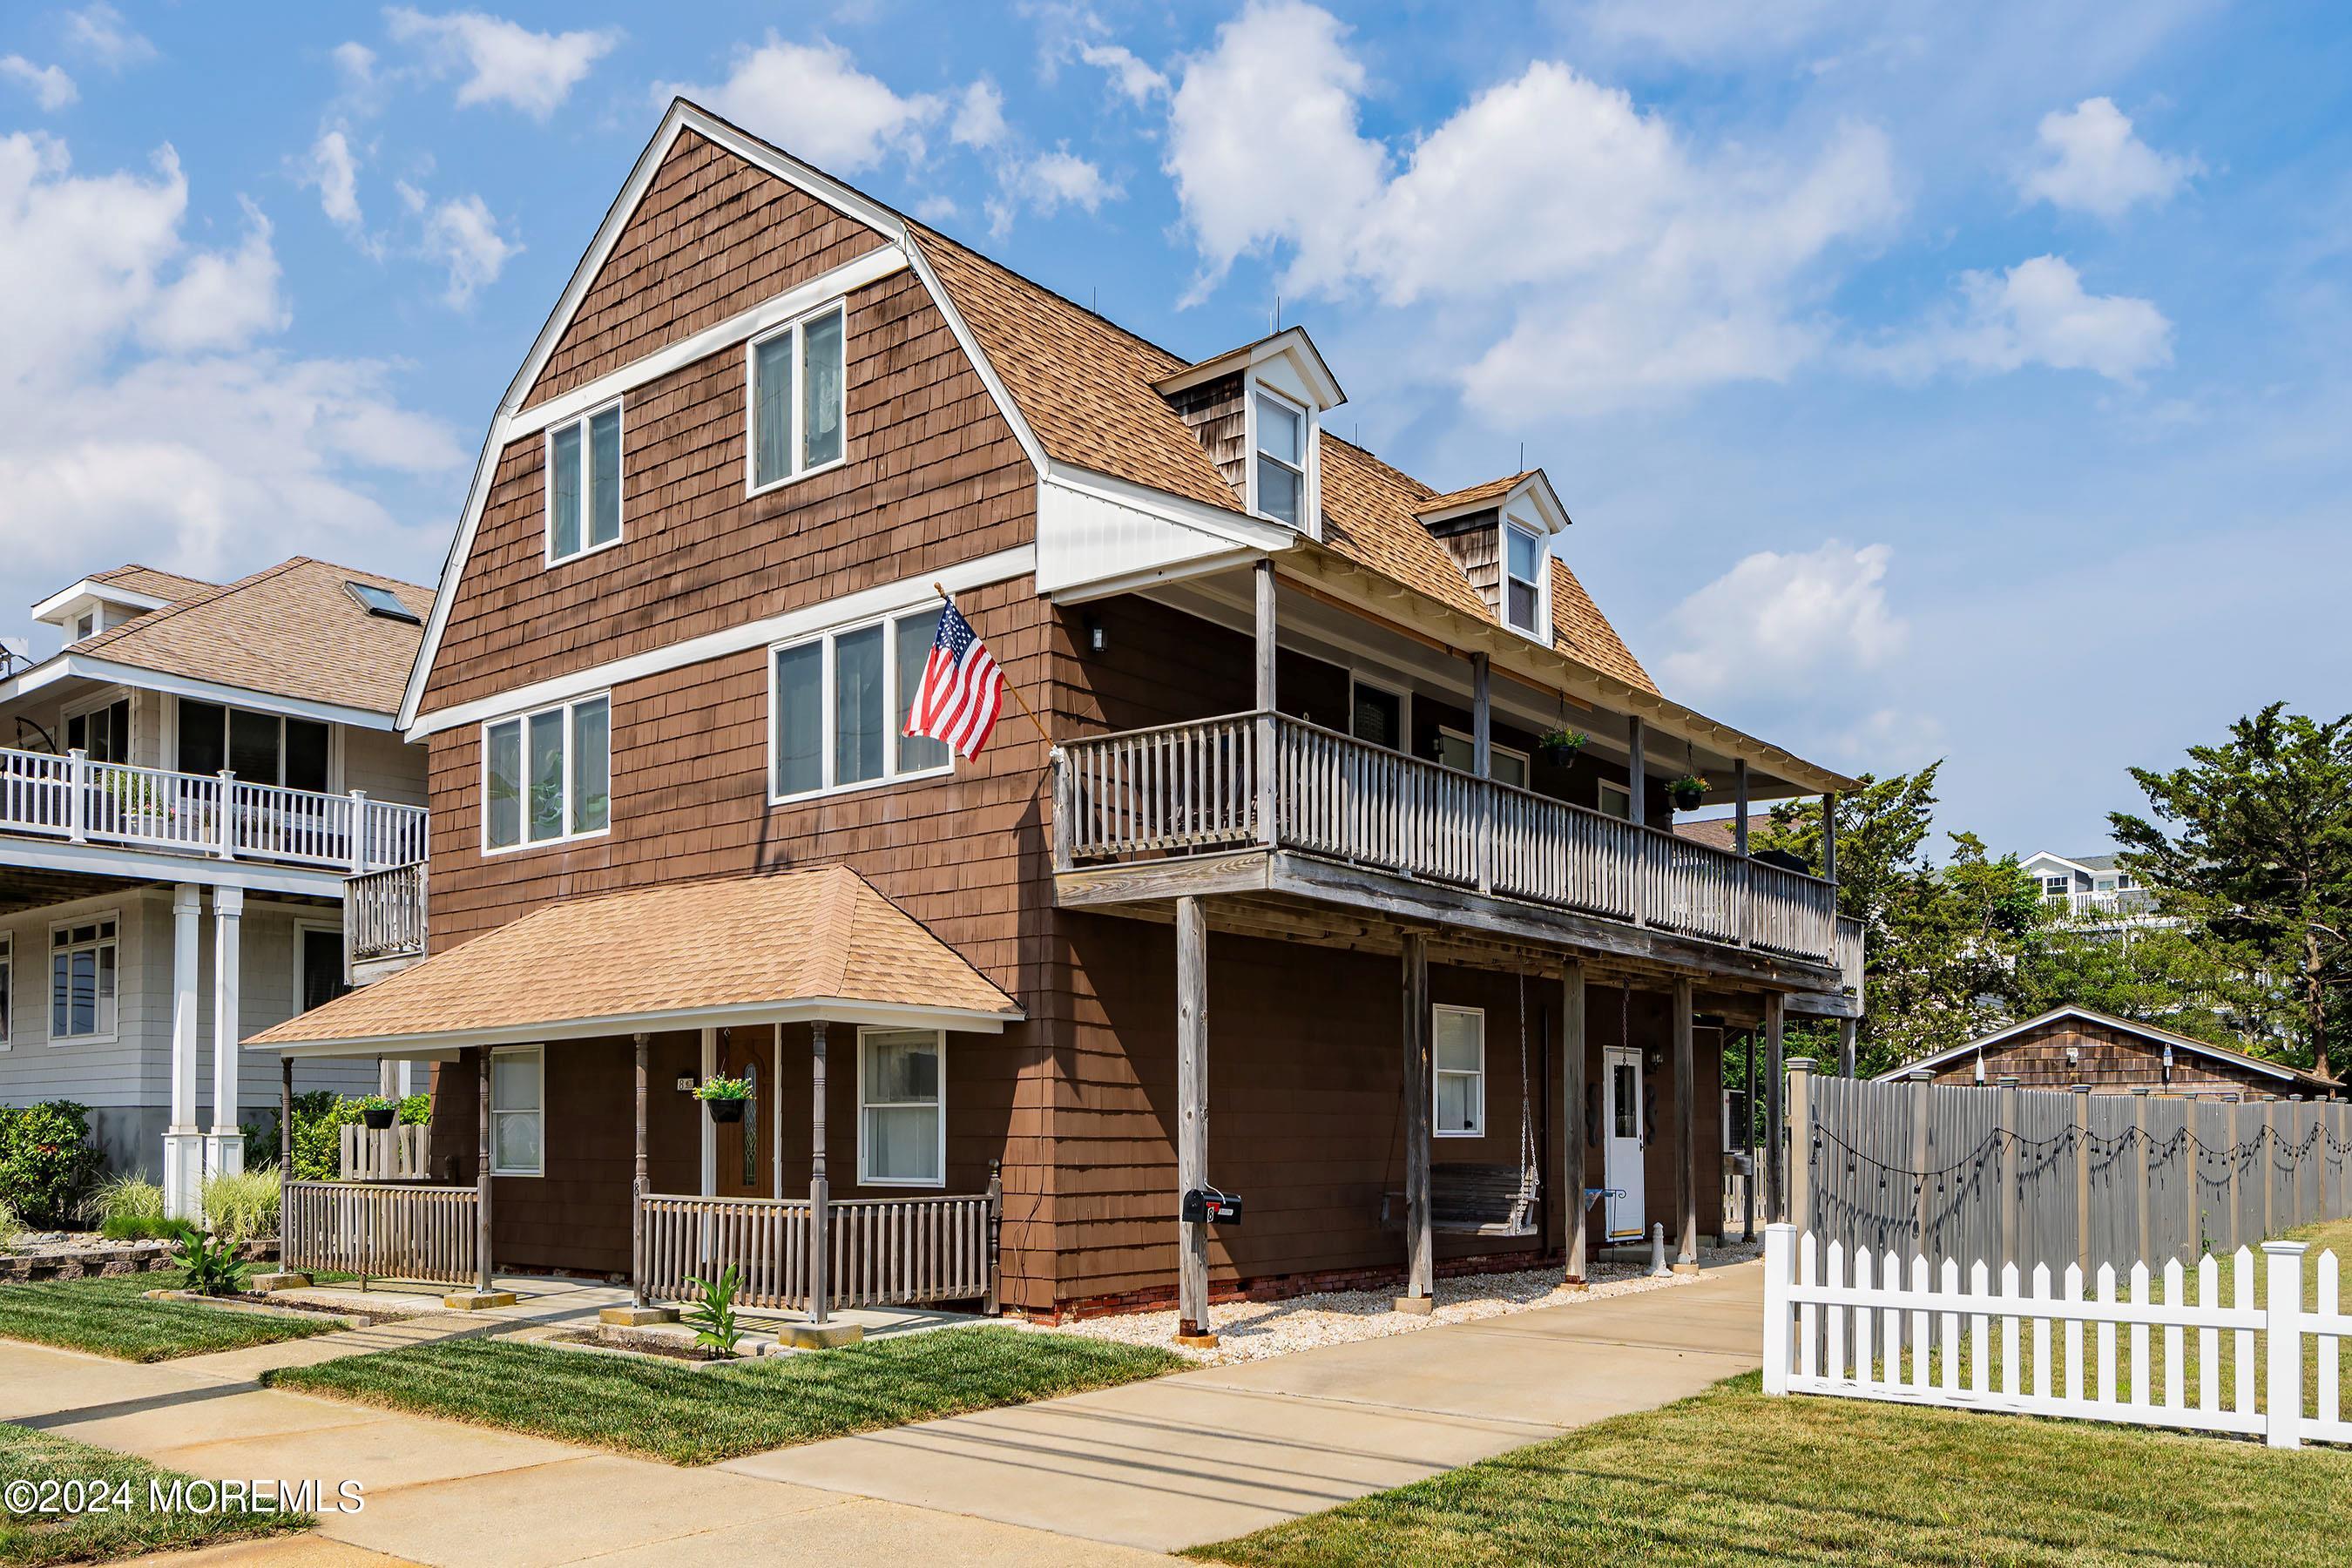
962, 689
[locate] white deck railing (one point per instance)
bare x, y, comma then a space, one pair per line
1256, 778
1855, 1327
217, 815
883, 1251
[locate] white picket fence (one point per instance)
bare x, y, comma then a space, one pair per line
1854, 1327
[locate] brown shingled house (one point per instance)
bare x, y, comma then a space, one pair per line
2070, 1046
1287, 843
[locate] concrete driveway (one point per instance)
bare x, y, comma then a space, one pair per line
1208, 1455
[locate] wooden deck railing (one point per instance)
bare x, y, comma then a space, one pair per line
217, 815
399, 1230
1256, 778
883, 1251
383, 914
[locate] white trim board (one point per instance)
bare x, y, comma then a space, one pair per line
69, 664
90, 588
907, 594
161, 865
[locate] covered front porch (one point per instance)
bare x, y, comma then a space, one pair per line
660, 1085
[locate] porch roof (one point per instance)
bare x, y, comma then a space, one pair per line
777, 948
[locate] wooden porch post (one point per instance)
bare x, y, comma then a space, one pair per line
1419, 1257
820, 1241
1481, 763
285, 1119
1829, 837
1740, 803
1637, 772
776, 1118
1775, 1122
1748, 1141
1846, 1029
1571, 1121
482, 1170
1686, 1132
1262, 649
1192, 1118
637, 1180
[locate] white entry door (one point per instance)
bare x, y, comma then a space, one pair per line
1622, 1111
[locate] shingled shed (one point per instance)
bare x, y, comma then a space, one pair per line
2068, 1046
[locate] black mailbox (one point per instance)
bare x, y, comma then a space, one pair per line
1203, 1207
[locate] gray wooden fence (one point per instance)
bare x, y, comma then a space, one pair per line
2025, 1176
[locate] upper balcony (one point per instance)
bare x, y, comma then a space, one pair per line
71, 800
1258, 803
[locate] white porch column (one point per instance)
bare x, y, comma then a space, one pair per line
225, 1146
184, 1138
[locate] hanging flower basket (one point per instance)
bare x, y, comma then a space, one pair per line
1560, 747
724, 1098
376, 1112
1689, 793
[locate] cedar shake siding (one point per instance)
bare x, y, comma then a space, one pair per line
2111, 1061
1216, 414
712, 238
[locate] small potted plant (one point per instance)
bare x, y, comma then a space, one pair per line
376, 1112
1689, 791
724, 1096
1559, 747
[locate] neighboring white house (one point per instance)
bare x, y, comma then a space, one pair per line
183, 785
2093, 888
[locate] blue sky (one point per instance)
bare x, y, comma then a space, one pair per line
1923, 380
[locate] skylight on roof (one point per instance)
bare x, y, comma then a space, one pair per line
382, 602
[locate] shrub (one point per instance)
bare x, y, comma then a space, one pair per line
127, 1198
210, 1266
242, 1207
46, 1161
9, 1224
147, 1227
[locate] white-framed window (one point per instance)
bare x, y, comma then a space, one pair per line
547, 776
1457, 1085
795, 375
902, 1117
1278, 467
1523, 579
518, 1110
2057, 886
1378, 714
86, 627
82, 970
318, 964
1460, 753
7, 990
839, 705
583, 484
1614, 800
102, 729
259, 748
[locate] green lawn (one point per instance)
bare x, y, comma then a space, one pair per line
30, 1535
669, 1410
1732, 1476
110, 1315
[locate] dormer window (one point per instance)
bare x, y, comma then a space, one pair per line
1281, 473
86, 627
1522, 553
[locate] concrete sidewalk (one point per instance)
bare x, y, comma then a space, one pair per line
1209, 1454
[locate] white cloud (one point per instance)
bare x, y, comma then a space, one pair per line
2036, 314
1774, 621
463, 235
1624, 262
979, 116
355, 62
502, 62
1046, 184
143, 414
811, 101
1136, 81
333, 170
2093, 163
51, 88
100, 32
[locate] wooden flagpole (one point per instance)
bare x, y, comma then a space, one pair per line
1011, 690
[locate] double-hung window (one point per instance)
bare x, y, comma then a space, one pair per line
1281, 459
81, 980
840, 704
1523, 564
901, 1109
1458, 1081
583, 484
518, 1117
547, 775
797, 372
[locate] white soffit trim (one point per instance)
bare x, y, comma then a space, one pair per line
90, 588
69, 666
680, 117
164, 865
867, 603
1535, 488
1093, 529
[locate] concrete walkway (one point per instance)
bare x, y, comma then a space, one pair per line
1209, 1454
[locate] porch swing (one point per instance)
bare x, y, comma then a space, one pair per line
1482, 1199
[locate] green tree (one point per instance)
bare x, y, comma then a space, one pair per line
2252, 842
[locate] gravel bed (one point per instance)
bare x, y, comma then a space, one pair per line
1253, 1330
